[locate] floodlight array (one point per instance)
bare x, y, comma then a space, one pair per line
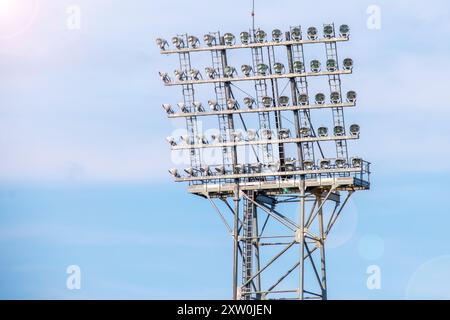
266, 104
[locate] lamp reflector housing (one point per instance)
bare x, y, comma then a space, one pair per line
339, 131
312, 33
249, 102
260, 36
262, 69
298, 67
278, 68
296, 34
351, 96
355, 130
246, 70
245, 37
348, 64
168, 108
209, 39
320, 98
174, 172
178, 42
267, 102
315, 65
331, 65
229, 39
328, 31
344, 31
277, 35
322, 132
335, 97
283, 101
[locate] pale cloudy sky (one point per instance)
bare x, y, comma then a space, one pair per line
83, 152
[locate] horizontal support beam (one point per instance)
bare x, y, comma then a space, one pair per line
263, 142
259, 110
256, 78
270, 174
255, 45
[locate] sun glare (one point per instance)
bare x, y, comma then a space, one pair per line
6, 6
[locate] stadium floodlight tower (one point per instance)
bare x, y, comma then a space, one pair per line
277, 187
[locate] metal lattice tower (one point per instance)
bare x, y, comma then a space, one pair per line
280, 210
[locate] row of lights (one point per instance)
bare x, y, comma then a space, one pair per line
267, 102
266, 134
260, 37
290, 165
262, 70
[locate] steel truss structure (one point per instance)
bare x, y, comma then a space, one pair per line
280, 208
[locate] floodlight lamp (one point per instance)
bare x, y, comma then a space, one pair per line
266, 134
209, 39
251, 135
229, 39
331, 65
303, 99
305, 132
205, 170
164, 77
260, 36
232, 104
195, 74
180, 75
283, 101
186, 139
198, 106
312, 33
168, 108
274, 166
193, 42
324, 164
315, 66
162, 44
357, 162
351, 96
335, 97
277, 35
296, 34
328, 31
262, 69
339, 130
344, 30
322, 132
229, 71
320, 98
171, 140
278, 68
284, 133
256, 167
289, 164
220, 170
267, 102
210, 72
348, 64
246, 70
182, 107
298, 67
249, 102
190, 171
308, 164
178, 42
355, 130
213, 105
217, 138
201, 139
340, 163
174, 173
239, 168
245, 37
236, 136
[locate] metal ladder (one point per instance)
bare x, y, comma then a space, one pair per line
219, 88
338, 112
247, 245
261, 91
188, 99
305, 116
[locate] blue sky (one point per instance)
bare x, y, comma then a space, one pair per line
83, 166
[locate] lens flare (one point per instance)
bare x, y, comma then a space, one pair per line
17, 16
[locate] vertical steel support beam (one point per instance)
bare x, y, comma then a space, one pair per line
301, 239
322, 248
236, 242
